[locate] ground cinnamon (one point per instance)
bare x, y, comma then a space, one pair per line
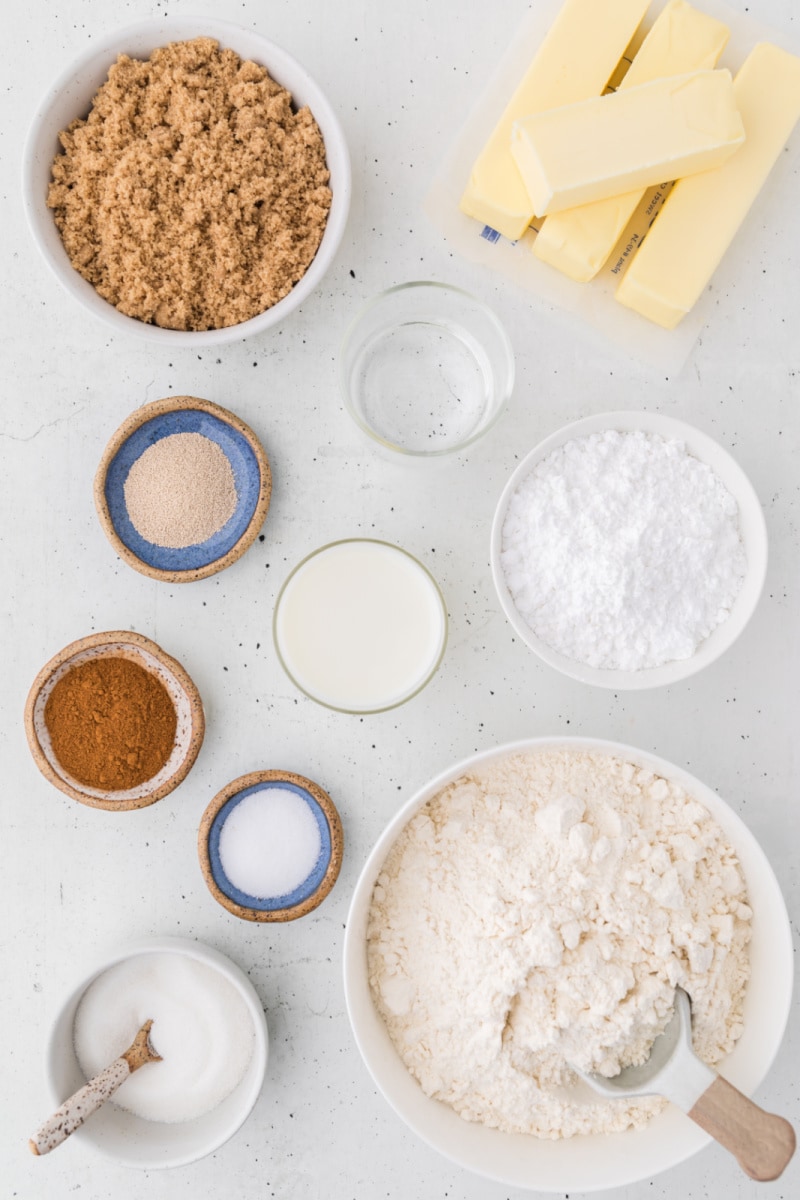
111, 723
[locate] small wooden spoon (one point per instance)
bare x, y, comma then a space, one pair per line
762, 1142
92, 1095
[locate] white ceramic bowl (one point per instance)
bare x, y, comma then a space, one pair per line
129, 1139
70, 97
589, 1163
752, 527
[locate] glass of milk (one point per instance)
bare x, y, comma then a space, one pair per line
360, 625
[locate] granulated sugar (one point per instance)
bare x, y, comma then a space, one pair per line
541, 911
201, 1028
622, 550
270, 843
180, 491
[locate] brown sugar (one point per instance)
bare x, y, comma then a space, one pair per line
193, 196
111, 723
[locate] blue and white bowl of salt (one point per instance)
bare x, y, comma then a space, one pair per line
182, 489
270, 846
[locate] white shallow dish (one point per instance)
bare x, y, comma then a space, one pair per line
129, 1139
752, 528
71, 96
586, 1163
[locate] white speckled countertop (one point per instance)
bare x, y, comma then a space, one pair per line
78, 881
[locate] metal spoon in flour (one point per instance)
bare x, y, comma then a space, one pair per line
92, 1095
762, 1142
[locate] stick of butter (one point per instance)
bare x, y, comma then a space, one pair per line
614, 144
574, 62
579, 241
701, 215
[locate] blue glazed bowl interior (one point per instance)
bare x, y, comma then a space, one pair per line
300, 893
246, 474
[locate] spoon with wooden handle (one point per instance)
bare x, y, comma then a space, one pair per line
762, 1142
92, 1095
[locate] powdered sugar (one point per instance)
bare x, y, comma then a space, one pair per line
622, 550
541, 912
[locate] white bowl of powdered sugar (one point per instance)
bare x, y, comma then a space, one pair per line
628, 550
533, 908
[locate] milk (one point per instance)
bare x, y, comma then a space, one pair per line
360, 625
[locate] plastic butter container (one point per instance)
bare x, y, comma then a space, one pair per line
593, 304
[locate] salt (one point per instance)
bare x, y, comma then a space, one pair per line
622, 550
201, 1028
270, 843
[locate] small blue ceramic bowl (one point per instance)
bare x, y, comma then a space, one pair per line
313, 890
252, 479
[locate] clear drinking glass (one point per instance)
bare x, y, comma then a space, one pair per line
425, 369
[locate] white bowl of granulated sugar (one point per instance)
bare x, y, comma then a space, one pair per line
213, 1042
628, 550
534, 905
210, 217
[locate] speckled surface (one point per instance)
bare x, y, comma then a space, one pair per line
401, 77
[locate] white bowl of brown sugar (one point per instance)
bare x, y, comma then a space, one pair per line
187, 181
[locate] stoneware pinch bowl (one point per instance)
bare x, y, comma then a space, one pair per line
182, 691
307, 895
251, 474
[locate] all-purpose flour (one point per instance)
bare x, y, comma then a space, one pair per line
541, 912
622, 550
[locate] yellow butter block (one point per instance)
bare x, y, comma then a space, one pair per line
702, 214
579, 241
615, 144
574, 62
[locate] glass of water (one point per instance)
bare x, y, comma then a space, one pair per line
425, 369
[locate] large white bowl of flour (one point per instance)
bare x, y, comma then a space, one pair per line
585, 1162
646, 566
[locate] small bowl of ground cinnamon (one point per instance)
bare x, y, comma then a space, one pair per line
182, 489
114, 722
187, 181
